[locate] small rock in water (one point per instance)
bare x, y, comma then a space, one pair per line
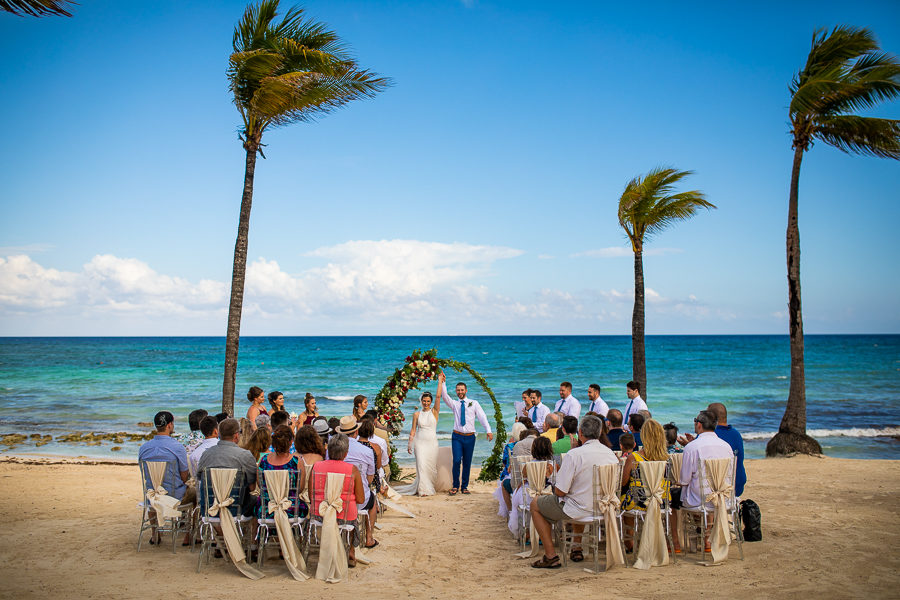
143, 424
116, 448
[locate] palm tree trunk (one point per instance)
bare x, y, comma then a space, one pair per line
638, 356
238, 272
791, 436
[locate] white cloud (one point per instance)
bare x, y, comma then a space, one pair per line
623, 251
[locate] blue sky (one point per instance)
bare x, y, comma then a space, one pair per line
477, 195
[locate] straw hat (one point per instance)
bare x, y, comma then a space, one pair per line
348, 425
321, 427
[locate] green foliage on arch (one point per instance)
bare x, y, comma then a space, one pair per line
421, 367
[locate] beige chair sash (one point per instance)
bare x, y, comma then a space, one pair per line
278, 484
159, 499
536, 472
332, 565
676, 460
222, 480
653, 551
719, 492
608, 478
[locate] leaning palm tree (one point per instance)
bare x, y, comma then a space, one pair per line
845, 72
281, 72
647, 206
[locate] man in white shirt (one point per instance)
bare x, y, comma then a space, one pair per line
465, 412
706, 445
635, 402
574, 482
567, 403
523, 406
538, 411
209, 427
597, 404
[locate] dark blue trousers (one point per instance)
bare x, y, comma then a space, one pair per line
463, 447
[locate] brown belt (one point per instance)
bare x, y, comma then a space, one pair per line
461, 433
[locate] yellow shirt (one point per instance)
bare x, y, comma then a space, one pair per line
550, 435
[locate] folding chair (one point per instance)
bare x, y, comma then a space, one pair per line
180, 519
698, 518
209, 534
347, 527
267, 532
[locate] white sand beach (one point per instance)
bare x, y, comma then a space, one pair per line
829, 525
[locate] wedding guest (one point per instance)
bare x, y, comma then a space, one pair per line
635, 402
526, 439
263, 422
353, 492
570, 437
574, 483
221, 416
276, 401
360, 405
322, 429
635, 495
542, 449
380, 430
522, 407
614, 417
672, 446
597, 404
310, 411
282, 458
634, 425
626, 444
192, 440
538, 412
551, 426
209, 427
526, 422
734, 439
385, 456
256, 396
228, 455
364, 460
646, 414
259, 443
165, 448
333, 423
309, 446
505, 481
567, 403
279, 418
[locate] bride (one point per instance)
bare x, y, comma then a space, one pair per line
423, 440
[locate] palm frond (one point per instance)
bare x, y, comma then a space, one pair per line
861, 135
37, 8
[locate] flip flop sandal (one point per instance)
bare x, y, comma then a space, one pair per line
372, 546
453, 492
351, 562
576, 556
466, 492
547, 563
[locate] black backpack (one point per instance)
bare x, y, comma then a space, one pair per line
752, 520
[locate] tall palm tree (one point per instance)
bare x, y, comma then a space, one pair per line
647, 206
845, 72
37, 8
281, 72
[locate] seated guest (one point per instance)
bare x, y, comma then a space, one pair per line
221, 416
634, 424
228, 455
259, 443
282, 458
635, 494
380, 430
333, 423
672, 446
626, 444
646, 414
364, 459
526, 439
734, 439
574, 483
375, 439
353, 492
322, 429
263, 422
192, 440
570, 439
542, 449
706, 445
551, 426
308, 445
278, 418
505, 481
614, 416
164, 448
209, 427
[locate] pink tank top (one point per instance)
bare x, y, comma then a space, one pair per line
319, 476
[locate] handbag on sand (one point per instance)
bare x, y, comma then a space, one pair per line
752, 520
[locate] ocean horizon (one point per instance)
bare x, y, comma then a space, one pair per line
61, 385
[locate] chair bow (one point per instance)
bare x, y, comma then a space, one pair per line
337, 504
153, 493
724, 494
284, 505
656, 494
608, 503
214, 508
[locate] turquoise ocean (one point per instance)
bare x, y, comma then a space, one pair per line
64, 385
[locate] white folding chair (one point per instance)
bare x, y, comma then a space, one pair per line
697, 519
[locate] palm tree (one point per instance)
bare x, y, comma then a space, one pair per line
280, 73
845, 72
647, 206
37, 8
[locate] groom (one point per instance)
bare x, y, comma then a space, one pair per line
465, 412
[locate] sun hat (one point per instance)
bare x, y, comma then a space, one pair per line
321, 426
348, 425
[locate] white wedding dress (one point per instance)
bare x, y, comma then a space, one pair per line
425, 447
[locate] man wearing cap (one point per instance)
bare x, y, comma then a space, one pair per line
163, 447
465, 411
363, 458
